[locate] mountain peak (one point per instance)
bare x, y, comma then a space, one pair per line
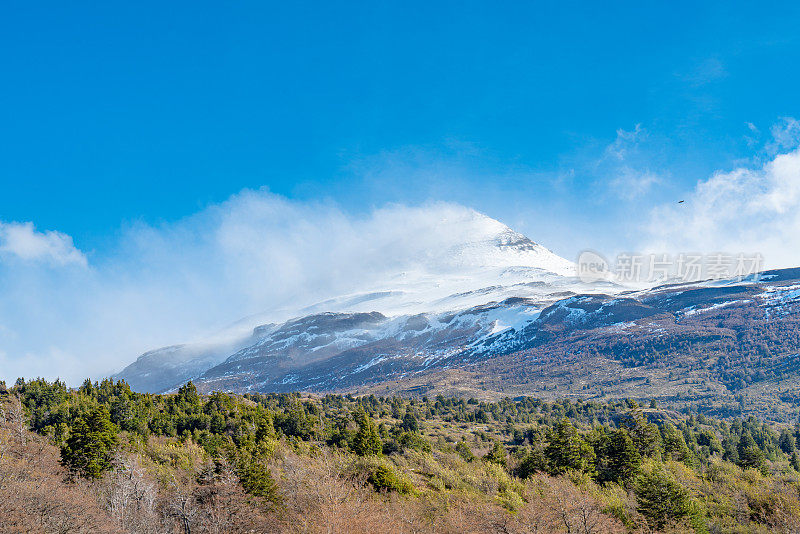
435, 266
492, 244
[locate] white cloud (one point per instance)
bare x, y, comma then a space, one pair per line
785, 135
23, 241
749, 209
623, 165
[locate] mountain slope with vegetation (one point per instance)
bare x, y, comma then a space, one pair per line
105, 459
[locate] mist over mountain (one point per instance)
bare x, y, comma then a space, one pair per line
489, 312
485, 280
258, 257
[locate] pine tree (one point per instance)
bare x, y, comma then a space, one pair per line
786, 441
749, 453
674, 443
255, 476
794, 461
410, 423
90, 445
532, 463
367, 440
619, 459
566, 450
660, 498
645, 435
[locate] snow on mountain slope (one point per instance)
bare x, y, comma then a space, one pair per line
330, 350
439, 288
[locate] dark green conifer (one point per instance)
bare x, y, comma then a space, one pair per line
367, 440
567, 451
91, 443
749, 453
660, 498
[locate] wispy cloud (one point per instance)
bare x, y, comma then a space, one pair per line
785, 135
623, 166
631, 183
23, 241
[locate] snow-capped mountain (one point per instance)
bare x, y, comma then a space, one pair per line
498, 315
453, 294
475, 309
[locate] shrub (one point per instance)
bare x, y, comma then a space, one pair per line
414, 440
464, 451
497, 454
385, 478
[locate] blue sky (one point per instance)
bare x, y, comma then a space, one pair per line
167, 168
116, 113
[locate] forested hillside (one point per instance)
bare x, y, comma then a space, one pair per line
105, 459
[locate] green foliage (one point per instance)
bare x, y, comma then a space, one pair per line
787, 441
367, 441
567, 450
618, 459
659, 497
750, 456
674, 443
794, 461
89, 448
464, 451
533, 462
609, 446
497, 454
644, 435
294, 422
410, 423
385, 478
256, 478
414, 440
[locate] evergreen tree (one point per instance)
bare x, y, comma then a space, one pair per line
645, 435
410, 423
618, 459
729, 449
708, 438
787, 441
367, 440
566, 450
90, 445
295, 422
794, 461
187, 396
749, 453
534, 462
660, 498
87, 388
674, 443
255, 476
